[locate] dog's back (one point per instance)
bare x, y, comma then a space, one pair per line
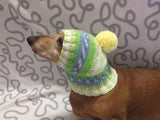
135, 97
144, 91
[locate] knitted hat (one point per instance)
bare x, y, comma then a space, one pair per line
85, 63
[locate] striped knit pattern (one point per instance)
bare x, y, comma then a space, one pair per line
87, 70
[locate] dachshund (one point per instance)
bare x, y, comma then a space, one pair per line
136, 95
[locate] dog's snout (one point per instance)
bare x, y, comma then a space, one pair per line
31, 40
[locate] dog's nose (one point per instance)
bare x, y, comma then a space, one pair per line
31, 40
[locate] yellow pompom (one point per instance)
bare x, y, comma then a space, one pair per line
107, 40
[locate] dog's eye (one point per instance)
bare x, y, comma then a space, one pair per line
60, 42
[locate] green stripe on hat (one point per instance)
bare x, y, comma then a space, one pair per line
73, 54
89, 77
88, 63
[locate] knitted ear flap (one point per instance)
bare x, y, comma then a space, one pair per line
107, 40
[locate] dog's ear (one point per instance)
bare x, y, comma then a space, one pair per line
60, 39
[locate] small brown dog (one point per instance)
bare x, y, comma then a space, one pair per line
136, 95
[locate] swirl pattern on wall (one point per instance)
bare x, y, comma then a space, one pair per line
31, 87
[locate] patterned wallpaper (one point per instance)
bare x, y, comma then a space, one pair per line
32, 87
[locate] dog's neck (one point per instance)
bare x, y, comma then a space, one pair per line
93, 85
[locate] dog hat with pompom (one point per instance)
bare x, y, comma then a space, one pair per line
85, 63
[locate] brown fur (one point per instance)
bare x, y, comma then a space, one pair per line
135, 97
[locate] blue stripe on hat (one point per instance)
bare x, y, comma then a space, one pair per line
90, 81
82, 52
